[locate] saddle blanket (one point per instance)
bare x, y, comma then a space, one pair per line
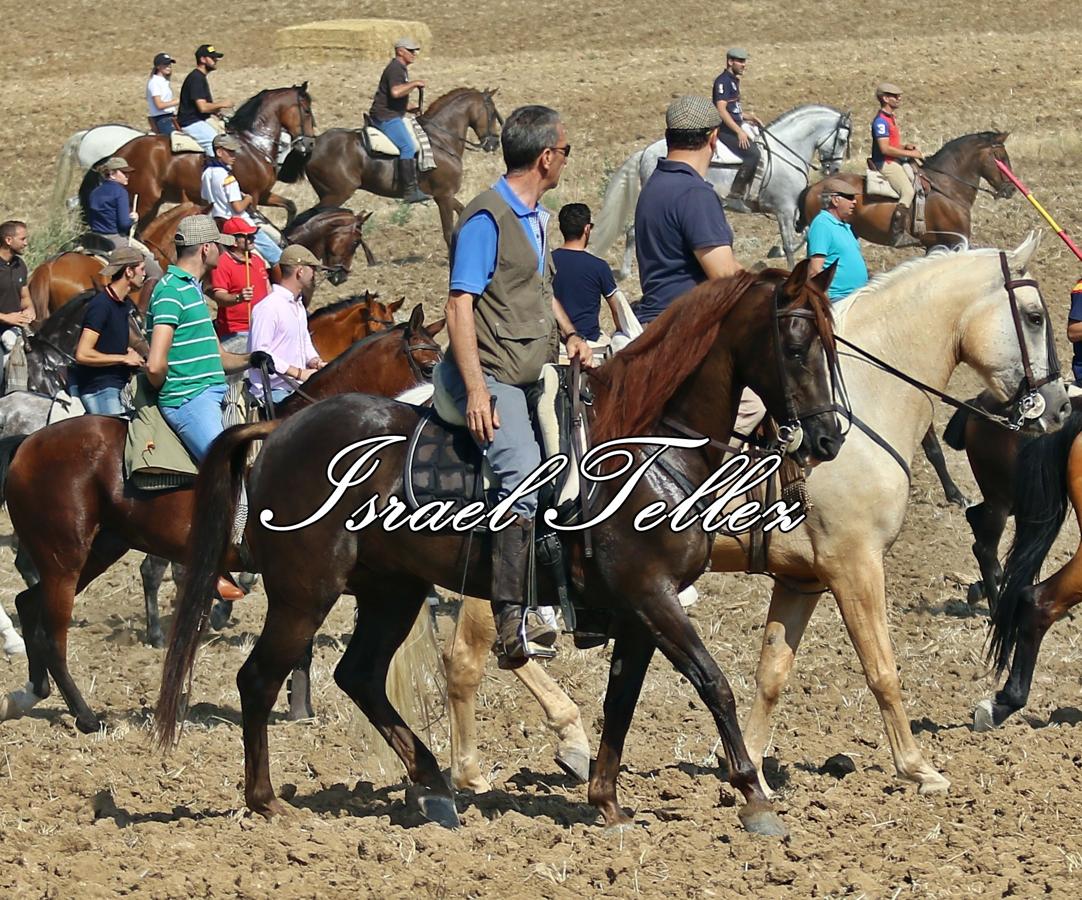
723, 156
377, 143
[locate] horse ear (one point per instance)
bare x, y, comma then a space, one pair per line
797, 278
363, 216
1022, 254
822, 279
417, 317
1002, 137
493, 92
436, 327
397, 305
304, 87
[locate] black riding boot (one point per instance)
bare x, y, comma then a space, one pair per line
407, 177
898, 222
520, 633
744, 175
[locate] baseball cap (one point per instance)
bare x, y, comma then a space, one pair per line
886, 87
195, 230
226, 142
736, 53
207, 50
119, 259
839, 186
298, 255
407, 43
238, 225
163, 59
115, 164
692, 114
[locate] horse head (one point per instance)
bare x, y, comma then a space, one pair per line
990, 172
488, 128
297, 118
422, 351
834, 149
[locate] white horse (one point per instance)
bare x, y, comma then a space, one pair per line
925, 318
81, 151
788, 145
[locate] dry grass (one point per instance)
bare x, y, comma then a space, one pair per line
347, 39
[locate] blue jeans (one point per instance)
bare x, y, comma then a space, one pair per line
164, 124
398, 131
198, 421
269, 250
103, 402
203, 133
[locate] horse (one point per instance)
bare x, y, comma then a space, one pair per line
161, 176
75, 515
683, 377
340, 165
789, 144
953, 174
1047, 481
924, 318
335, 327
333, 234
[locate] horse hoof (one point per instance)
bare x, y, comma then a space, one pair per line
156, 641
88, 726
220, 614
433, 807
984, 718
758, 818
934, 784
625, 824
14, 645
975, 593
273, 809
575, 763
17, 704
775, 252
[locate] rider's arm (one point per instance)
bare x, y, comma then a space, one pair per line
704, 228
1074, 331
727, 119
896, 152
161, 104
815, 264
123, 212
161, 339
208, 107
87, 354
717, 262
401, 90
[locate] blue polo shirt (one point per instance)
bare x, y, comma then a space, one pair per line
678, 213
580, 282
1075, 315
829, 236
476, 246
107, 315
108, 209
727, 88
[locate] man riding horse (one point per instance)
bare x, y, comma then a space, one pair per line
389, 107
197, 104
731, 132
889, 155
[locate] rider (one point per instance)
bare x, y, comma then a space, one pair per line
390, 104
104, 360
280, 326
219, 187
581, 279
109, 216
502, 320
16, 307
732, 133
831, 240
161, 107
1074, 333
888, 152
197, 104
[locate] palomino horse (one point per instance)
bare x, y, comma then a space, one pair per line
954, 174
790, 143
339, 164
924, 318
267, 124
1047, 481
75, 516
683, 377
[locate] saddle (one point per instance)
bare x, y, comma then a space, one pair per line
876, 187
180, 142
376, 143
724, 158
154, 457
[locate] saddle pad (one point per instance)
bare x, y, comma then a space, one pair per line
377, 142
179, 142
442, 463
426, 162
723, 156
16, 374
64, 406
875, 185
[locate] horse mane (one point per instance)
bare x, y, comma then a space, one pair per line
447, 99
796, 110
887, 278
339, 305
305, 217
954, 147
245, 116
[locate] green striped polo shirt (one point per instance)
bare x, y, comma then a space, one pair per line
194, 362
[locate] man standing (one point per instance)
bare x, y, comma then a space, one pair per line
280, 326
16, 307
109, 215
197, 104
104, 360
581, 279
889, 154
732, 133
389, 107
161, 107
219, 188
501, 318
831, 240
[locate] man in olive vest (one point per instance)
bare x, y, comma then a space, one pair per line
501, 315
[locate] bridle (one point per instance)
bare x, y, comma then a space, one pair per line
487, 144
844, 123
977, 187
269, 145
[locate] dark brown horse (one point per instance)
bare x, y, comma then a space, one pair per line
339, 164
954, 174
334, 328
264, 124
333, 234
75, 516
684, 375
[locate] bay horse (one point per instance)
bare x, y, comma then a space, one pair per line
266, 124
333, 234
339, 164
953, 172
75, 515
1047, 482
771, 331
925, 318
335, 327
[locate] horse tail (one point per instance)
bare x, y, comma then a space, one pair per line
954, 435
91, 180
65, 164
619, 203
1040, 506
216, 492
8, 446
801, 220
293, 166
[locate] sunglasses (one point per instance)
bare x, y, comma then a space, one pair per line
565, 150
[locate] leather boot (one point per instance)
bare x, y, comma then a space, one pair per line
228, 591
735, 200
407, 178
521, 634
898, 223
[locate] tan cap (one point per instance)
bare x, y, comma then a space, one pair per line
298, 255
692, 114
115, 164
407, 43
885, 87
119, 259
226, 142
839, 186
195, 230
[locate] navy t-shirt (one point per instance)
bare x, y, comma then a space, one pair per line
109, 318
1075, 315
678, 213
581, 281
727, 88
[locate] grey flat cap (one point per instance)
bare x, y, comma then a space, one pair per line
692, 114
407, 43
195, 230
736, 53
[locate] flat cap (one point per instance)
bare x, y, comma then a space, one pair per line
839, 186
195, 230
736, 53
298, 255
692, 114
121, 258
226, 142
407, 43
115, 164
885, 87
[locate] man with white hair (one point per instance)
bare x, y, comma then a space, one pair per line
389, 107
831, 241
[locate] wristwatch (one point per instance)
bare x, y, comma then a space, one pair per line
574, 334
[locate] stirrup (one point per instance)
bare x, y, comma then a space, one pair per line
534, 639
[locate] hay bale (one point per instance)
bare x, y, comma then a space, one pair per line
346, 39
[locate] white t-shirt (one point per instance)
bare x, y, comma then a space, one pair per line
159, 86
219, 188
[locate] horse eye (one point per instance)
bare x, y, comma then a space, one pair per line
795, 352
1036, 319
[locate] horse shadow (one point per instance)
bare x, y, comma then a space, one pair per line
105, 807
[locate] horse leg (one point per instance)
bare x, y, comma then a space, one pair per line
26, 568
390, 608
299, 688
562, 717
16, 704
273, 199
790, 611
861, 596
934, 453
152, 571
987, 520
787, 232
12, 642
447, 216
464, 665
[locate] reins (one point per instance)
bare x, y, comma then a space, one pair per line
978, 186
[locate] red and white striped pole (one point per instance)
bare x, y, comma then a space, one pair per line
1017, 182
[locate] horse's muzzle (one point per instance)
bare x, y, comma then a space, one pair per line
1005, 190
491, 143
337, 275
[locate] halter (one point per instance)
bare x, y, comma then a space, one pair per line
845, 121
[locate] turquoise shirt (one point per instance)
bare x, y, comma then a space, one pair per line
832, 238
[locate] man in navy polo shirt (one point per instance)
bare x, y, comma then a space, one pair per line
581, 278
732, 133
831, 240
1074, 332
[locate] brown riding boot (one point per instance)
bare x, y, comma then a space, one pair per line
898, 223
228, 591
521, 634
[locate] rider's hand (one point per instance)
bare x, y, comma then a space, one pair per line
134, 216
134, 359
259, 358
419, 83
578, 347
24, 317
305, 375
481, 417
742, 139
